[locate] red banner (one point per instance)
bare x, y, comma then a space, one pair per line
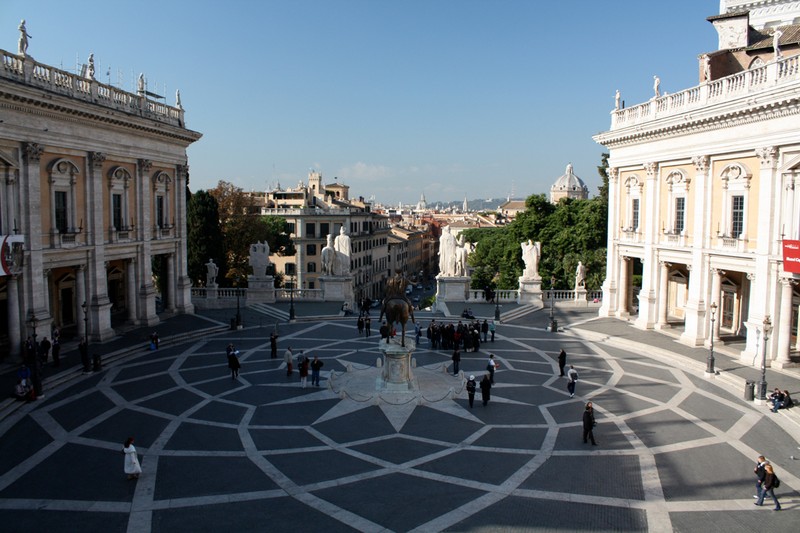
791, 256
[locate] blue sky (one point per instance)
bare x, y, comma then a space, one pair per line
452, 98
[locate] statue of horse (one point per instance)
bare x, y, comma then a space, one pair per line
397, 309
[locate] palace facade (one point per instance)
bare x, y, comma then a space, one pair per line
93, 181
705, 187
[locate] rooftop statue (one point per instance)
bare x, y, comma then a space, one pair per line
23, 39
776, 46
90, 70
342, 247
657, 86
616, 100
211, 273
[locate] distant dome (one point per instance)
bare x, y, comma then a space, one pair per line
568, 186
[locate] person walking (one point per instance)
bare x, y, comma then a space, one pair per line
303, 367
760, 474
572, 376
273, 345
233, 361
471, 388
83, 348
132, 467
771, 482
360, 325
287, 358
588, 423
492, 327
456, 360
367, 323
562, 361
486, 389
44, 350
491, 367
485, 330
316, 366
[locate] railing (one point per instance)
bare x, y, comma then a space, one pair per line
731, 243
500, 296
630, 235
301, 295
783, 71
24, 69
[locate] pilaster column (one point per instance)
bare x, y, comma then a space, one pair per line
609, 305
784, 325
663, 295
146, 304
99, 305
35, 292
14, 331
80, 290
183, 292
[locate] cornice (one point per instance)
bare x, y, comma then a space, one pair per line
56, 110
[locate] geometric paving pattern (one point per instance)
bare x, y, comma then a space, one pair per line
260, 453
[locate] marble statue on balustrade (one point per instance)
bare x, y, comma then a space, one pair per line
178, 99
656, 86
343, 252
90, 68
140, 84
776, 45
329, 258
616, 100
462, 252
211, 273
22, 47
259, 259
580, 276
531, 253
706, 68
447, 253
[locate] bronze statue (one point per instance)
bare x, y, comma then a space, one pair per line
396, 306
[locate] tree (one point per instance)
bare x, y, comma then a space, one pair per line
204, 237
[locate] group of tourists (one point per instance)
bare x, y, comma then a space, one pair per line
466, 337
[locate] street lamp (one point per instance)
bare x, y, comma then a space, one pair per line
710, 359
291, 300
553, 322
496, 298
762, 387
238, 312
85, 321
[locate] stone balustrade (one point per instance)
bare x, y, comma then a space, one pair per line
28, 71
748, 83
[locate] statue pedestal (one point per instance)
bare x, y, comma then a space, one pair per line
452, 289
530, 291
337, 289
580, 297
261, 290
396, 375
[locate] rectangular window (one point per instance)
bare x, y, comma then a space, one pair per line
737, 216
680, 214
311, 249
116, 211
635, 214
324, 229
289, 269
310, 229
61, 211
160, 211
290, 227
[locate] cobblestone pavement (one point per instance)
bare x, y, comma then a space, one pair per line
259, 452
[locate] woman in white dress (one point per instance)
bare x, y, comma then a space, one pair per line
132, 467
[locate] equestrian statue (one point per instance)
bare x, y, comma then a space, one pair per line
397, 306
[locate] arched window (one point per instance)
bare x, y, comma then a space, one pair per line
63, 197
735, 199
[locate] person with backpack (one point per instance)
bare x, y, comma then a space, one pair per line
471, 387
771, 482
572, 376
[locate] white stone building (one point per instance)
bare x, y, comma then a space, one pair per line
93, 182
705, 186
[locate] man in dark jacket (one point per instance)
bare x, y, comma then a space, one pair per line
562, 361
588, 424
486, 389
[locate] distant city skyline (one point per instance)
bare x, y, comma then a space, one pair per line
446, 98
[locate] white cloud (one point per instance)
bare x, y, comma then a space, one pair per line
361, 171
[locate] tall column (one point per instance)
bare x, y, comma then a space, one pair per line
14, 331
80, 290
624, 284
609, 305
716, 297
35, 292
696, 308
170, 303
784, 325
183, 294
130, 289
663, 296
96, 276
